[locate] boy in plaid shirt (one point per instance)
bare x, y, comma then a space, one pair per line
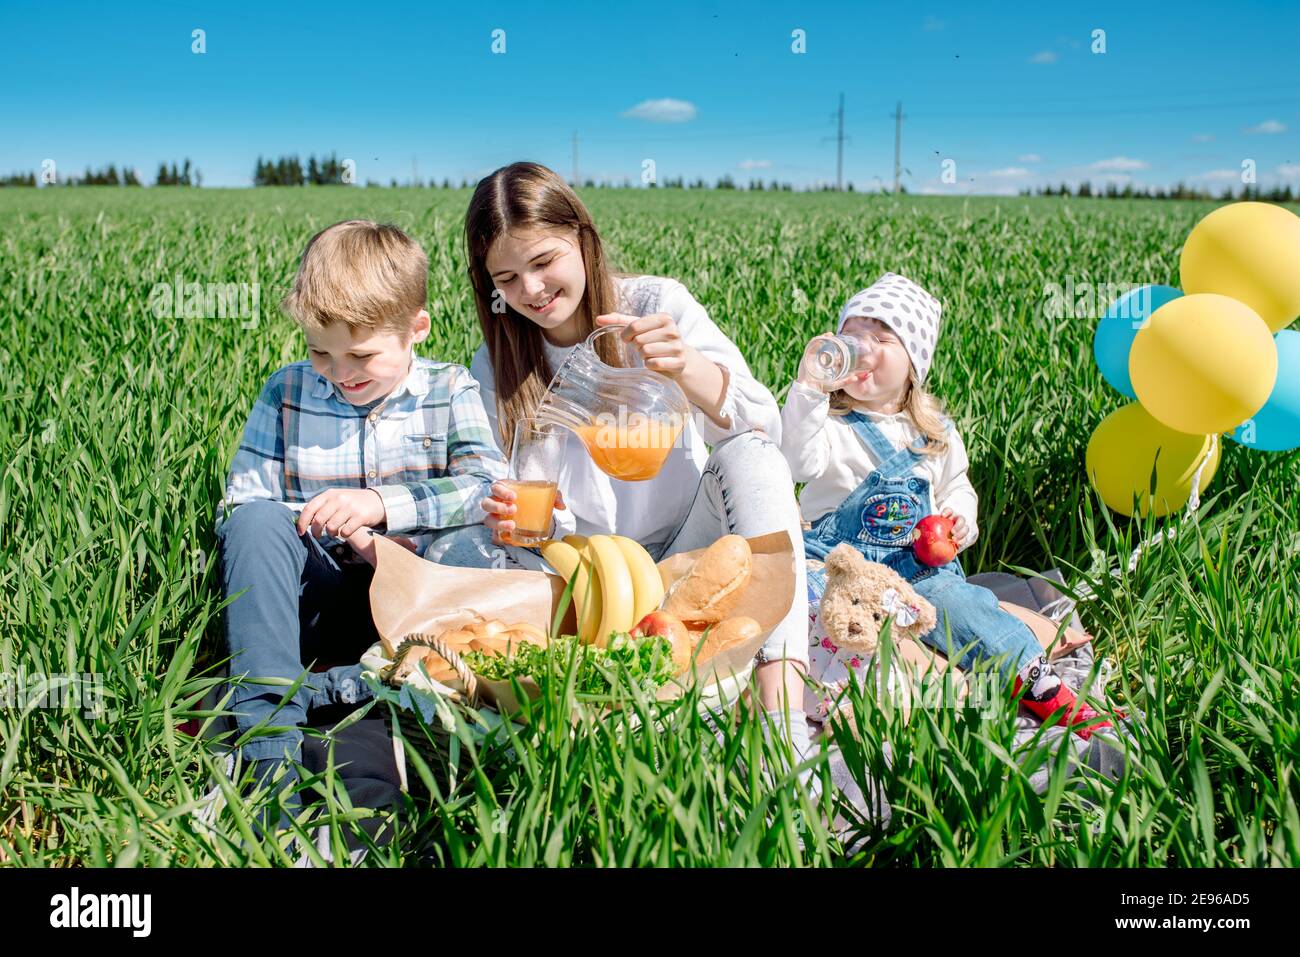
365, 435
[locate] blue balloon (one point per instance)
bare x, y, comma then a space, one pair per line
1119, 326
1276, 427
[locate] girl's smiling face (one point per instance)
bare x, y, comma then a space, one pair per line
540, 275
882, 384
366, 364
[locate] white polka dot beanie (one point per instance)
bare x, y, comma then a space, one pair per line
907, 309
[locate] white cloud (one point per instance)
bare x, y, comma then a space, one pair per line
1044, 56
1289, 170
662, 111
1203, 138
1217, 176
934, 23
1029, 158
1117, 164
1009, 172
754, 164
1268, 126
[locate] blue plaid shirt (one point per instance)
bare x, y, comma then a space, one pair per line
427, 449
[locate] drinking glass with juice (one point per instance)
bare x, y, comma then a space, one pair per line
535, 455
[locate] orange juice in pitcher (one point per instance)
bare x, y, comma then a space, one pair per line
627, 416
633, 451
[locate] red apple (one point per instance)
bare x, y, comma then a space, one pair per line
933, 542
667, 626
658, 623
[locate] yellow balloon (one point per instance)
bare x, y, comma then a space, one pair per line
1250, 251
1203, 363
1123, 450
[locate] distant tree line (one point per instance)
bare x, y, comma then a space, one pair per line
328, 170
173, 176
110, 175
723, 182
289, 171
1084, 190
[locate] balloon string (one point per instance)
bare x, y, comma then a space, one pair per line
1058, 609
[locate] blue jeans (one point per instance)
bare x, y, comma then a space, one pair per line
300, 605
980, 628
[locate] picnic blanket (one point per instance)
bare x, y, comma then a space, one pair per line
370, 769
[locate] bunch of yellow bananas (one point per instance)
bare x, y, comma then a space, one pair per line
624, 588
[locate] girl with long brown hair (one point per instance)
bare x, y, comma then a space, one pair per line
542, 284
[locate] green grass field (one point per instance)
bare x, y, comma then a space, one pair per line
117, 427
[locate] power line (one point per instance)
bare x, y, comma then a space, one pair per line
839, 150
898, 146
724, 135
839, 138
1166, 108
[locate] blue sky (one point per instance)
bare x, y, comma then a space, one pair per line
1012, 94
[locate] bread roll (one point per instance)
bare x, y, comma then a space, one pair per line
488, 629
725, 636
458, 638
715, 584
523, 631
492, 645
497, 638
434, 666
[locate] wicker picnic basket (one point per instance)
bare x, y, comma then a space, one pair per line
429, 732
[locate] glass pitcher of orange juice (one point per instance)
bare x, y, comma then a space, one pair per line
628, 417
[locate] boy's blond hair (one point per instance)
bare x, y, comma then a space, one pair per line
364, 274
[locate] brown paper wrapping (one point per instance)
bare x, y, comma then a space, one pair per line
409, 594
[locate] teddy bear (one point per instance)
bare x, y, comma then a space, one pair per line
859, 596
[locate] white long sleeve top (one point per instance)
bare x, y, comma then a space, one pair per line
825, 452
651, 511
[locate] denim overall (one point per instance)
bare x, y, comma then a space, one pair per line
878, 519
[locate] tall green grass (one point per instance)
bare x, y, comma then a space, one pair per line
116, 429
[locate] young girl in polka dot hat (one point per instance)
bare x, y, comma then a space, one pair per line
878, 455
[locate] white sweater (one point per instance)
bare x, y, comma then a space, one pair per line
825, 452
650, 512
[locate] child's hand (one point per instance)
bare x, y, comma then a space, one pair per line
500, 506
959, 527
363, 543
341, 512
656, 337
